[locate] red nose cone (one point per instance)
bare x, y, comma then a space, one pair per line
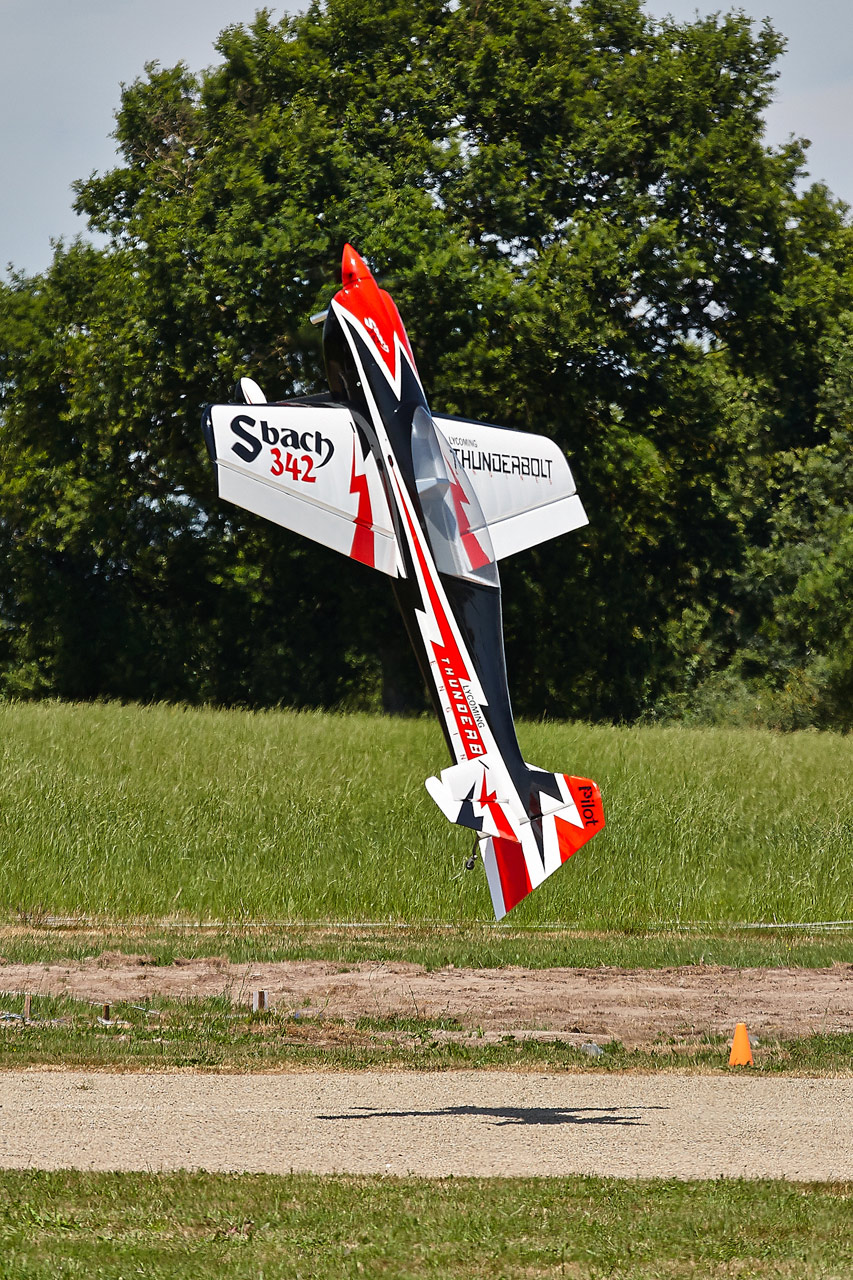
353, 267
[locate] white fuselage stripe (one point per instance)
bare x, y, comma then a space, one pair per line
426, 572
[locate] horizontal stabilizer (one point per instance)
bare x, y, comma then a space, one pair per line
521, 842
478, 794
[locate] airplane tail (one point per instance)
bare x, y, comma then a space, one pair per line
522, 839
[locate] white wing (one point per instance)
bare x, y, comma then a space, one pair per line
523, 482
304, 467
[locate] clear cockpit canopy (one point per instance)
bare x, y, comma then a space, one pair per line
455, 525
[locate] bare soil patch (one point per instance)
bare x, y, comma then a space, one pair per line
634, 1006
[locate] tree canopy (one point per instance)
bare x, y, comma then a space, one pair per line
587, 236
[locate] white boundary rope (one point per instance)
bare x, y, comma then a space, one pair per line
556, 926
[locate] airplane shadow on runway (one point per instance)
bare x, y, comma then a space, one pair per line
511, 1115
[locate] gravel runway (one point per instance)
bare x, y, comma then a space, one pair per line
431, 1124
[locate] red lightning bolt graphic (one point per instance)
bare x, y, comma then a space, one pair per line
362, 539
451, 665
490, 801
477, 557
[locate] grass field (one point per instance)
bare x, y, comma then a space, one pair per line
152, 821
249, 1227
466, 945
196, 814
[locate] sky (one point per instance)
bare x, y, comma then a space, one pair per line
814, 91
62, 63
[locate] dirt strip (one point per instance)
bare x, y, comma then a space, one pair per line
634, 1006
455, 1123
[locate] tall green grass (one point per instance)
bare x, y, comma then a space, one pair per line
203, 814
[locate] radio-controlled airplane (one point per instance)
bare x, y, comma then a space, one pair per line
433, 502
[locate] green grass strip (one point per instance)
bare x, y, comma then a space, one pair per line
124, 811
211, 1034
468, 946
260, 1227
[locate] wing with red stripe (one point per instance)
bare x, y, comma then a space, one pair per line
306, 468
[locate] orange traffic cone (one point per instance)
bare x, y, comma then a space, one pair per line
741, 1054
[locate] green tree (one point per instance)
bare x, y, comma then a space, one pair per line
587, 235
796, 591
